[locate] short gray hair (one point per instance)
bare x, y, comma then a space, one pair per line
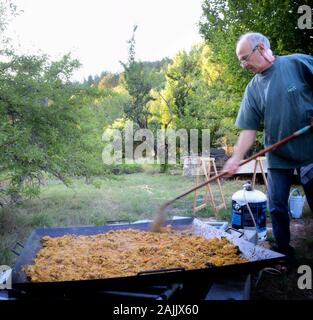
254, 38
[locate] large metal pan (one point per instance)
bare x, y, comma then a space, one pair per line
20, 283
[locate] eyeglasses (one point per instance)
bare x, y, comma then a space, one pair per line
244, 60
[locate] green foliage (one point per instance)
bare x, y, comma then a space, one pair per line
41, 219
109, 81
50, 126
138, 86
194, 96
44, 120
8, 10
126, 168
31, 191
139, 79
97, 184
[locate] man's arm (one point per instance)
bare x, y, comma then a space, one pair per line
244, 143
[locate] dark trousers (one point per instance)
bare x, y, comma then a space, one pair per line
279, 183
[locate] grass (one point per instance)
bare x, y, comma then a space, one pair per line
127, 197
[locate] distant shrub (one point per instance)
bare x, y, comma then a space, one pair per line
41, 219
97, 184
31, 191
127, 168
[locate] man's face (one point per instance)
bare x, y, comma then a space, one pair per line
250, 57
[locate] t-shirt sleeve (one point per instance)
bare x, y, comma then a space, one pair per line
308, 70
249, 116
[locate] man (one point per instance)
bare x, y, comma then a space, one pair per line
280, 98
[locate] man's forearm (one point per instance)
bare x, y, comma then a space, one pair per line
244, 143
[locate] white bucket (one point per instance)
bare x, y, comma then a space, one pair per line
296, 204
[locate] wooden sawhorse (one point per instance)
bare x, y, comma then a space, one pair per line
258, 162
205, 164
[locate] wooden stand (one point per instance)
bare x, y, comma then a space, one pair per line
258, 162
205, 165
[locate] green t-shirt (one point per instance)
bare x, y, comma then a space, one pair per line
281, 98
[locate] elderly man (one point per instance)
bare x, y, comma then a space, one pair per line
279, 98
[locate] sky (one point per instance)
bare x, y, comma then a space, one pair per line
96, 31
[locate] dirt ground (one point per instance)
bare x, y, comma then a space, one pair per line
285, 286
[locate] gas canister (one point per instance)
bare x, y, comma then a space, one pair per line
257, 202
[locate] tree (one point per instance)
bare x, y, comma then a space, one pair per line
42, 118
196, 93
109, 81
138, 84
8, 10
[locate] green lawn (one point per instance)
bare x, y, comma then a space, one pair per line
127, 197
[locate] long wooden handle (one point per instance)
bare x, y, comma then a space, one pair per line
159, 218
278, 143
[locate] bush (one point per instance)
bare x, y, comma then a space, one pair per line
127, 168
97, 184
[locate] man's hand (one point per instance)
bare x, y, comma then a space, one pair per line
244, 142
231, 166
